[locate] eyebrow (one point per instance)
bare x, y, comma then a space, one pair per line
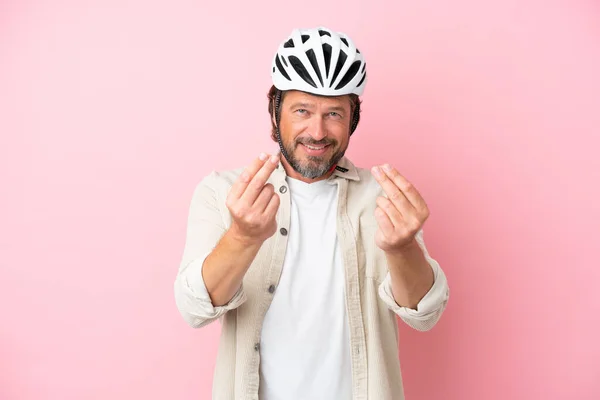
309, 106
300, 105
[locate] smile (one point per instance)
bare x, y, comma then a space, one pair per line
316, 147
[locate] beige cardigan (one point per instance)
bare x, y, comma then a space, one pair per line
370, 306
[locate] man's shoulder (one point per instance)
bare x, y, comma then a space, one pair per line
219, 180
217, 176
366, 178
364, 173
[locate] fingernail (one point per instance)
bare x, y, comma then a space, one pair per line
376, 171
274, 159
262, 156
387, 167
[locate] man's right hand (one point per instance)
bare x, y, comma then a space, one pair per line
253, 203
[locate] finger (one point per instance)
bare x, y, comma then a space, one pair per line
259, 180
394, 193
391, 211
384, 222
264, 197
410, 192
273, 206
240, 185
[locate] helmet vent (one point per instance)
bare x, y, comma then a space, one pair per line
327, 55
302, 72
338, 67
349, 75
362, 80
280, 68
313, 61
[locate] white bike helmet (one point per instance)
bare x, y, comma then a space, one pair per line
319, 61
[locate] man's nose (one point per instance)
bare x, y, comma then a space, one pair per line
317, 128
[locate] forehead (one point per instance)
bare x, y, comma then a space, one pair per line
295, 96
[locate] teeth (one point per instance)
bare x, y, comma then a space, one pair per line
315, 148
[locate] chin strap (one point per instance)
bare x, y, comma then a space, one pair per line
277, 117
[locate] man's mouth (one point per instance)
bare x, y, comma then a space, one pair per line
313, 147
313, 150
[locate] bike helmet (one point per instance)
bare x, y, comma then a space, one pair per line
319, 61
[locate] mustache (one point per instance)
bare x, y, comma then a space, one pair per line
311, 142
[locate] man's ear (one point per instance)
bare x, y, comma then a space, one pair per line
273, 119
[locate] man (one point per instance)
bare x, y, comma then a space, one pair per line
305, 258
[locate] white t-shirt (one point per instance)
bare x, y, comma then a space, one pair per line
305, 342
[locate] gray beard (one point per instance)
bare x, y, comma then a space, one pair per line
315, 167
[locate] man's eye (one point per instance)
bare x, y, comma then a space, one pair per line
334, 114
301, 111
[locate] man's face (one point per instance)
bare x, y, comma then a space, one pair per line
315, 131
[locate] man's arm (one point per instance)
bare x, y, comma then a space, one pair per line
429, 308
415, 287
253, 206
411, 275
224, 268
209, 281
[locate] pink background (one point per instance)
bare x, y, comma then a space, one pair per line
112, 111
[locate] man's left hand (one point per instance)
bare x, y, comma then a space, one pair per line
401, 215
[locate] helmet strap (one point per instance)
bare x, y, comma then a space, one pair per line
354, 122
277, 120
